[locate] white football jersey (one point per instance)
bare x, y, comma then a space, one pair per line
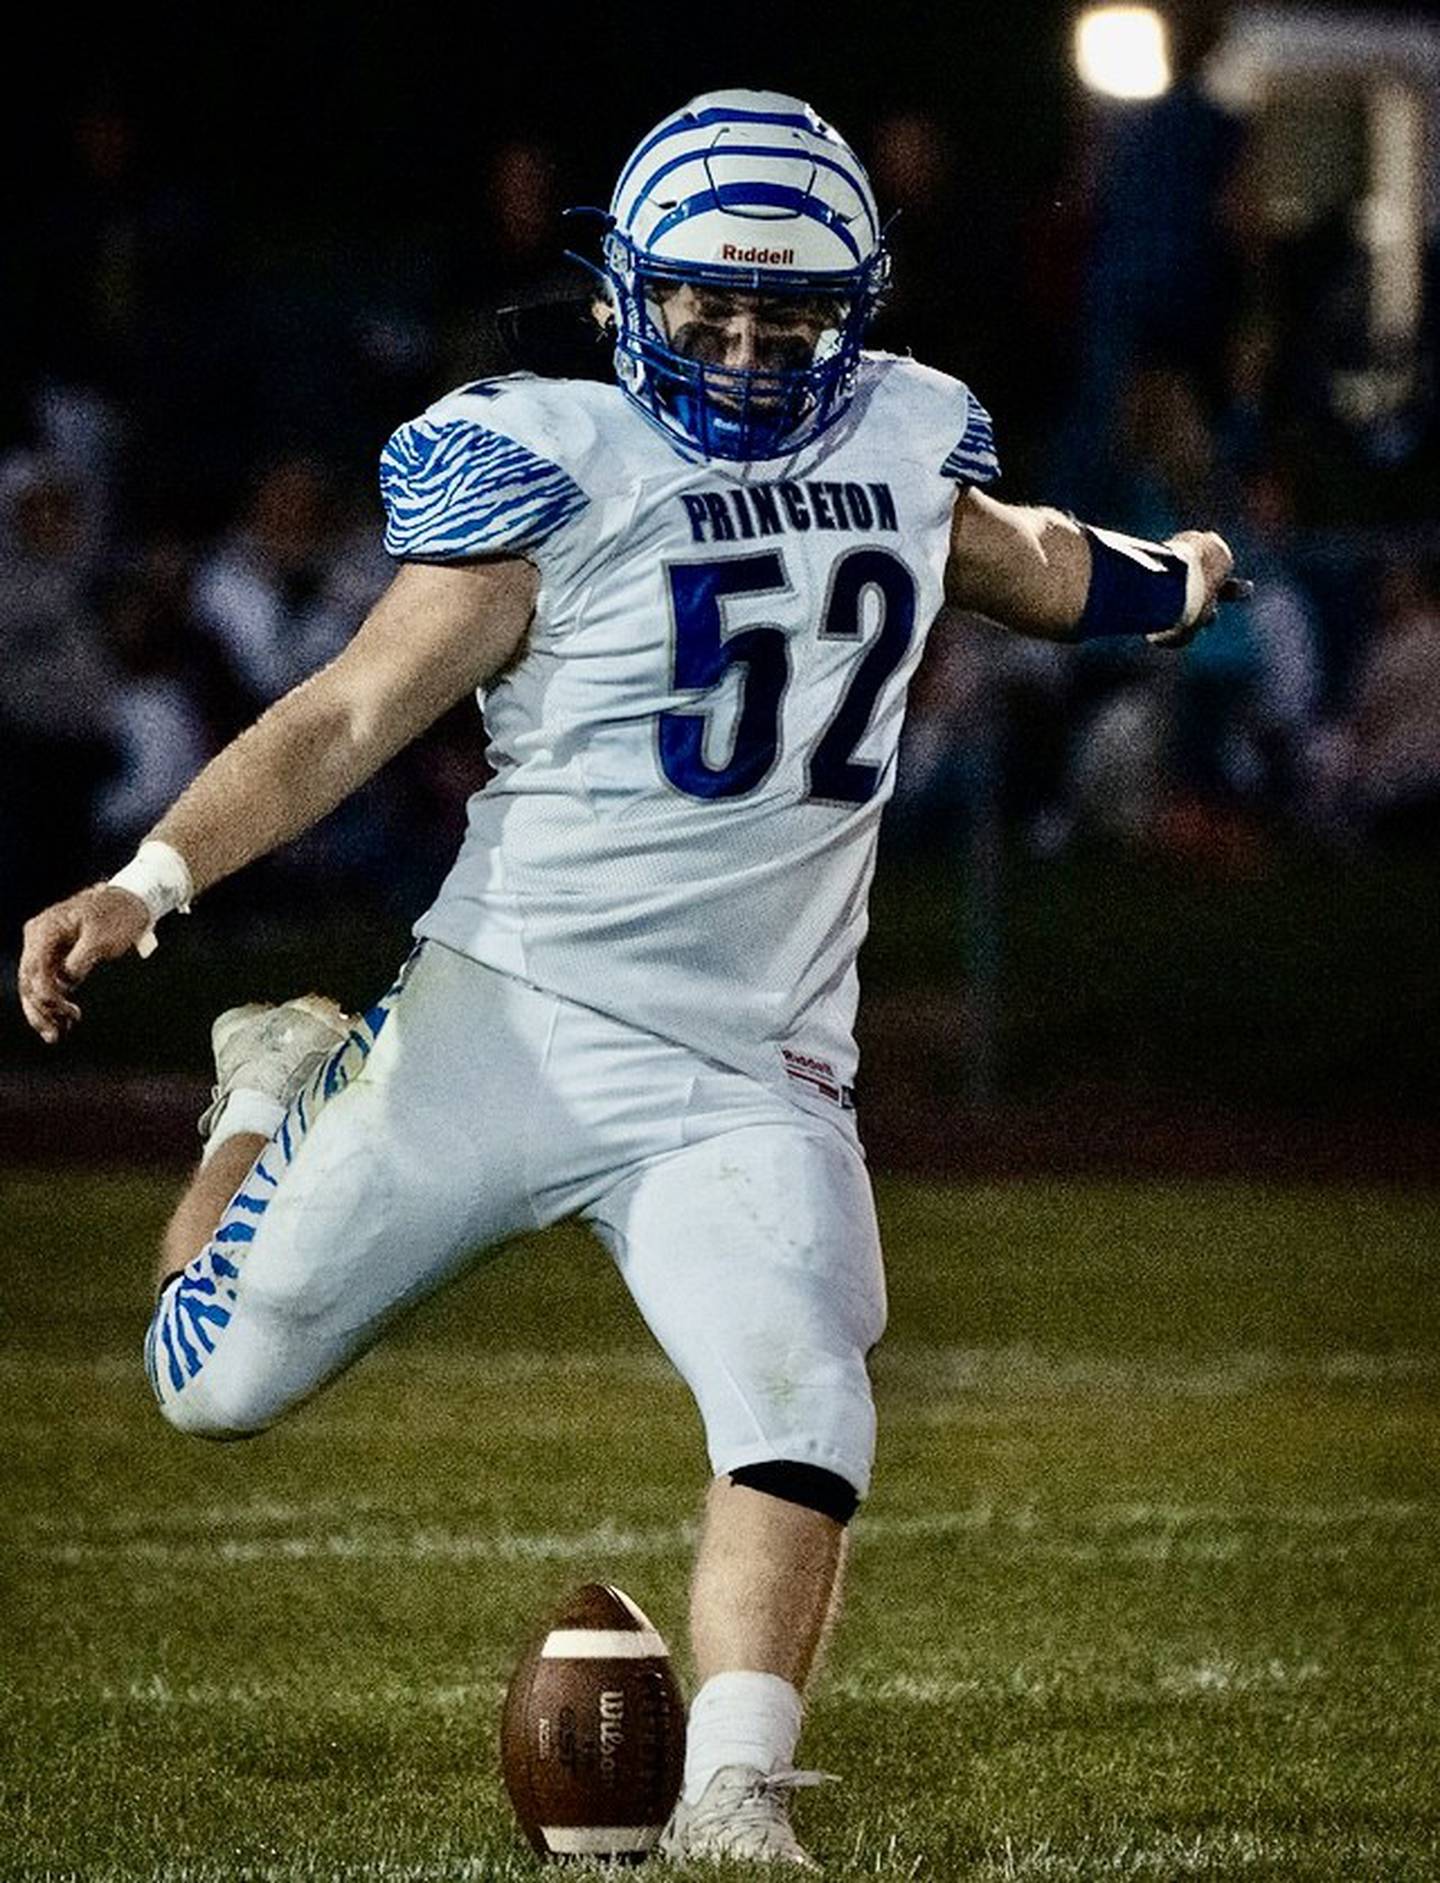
693, 751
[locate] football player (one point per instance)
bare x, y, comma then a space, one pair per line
692, 601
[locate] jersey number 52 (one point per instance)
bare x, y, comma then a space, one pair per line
704, 654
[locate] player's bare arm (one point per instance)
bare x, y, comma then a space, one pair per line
435, 635
1035, 570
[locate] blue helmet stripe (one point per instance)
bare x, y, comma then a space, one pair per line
715, 115
755, 195
762, 150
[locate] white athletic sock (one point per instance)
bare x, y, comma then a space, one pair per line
740, 1718
243, 1110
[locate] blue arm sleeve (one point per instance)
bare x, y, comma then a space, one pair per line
1136, 587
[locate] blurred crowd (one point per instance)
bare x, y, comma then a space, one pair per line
1208, 367
1312, 714
189, 522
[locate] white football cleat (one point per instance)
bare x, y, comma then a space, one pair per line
742, 1814
273, 1050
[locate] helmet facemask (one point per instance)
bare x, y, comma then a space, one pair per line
805, 356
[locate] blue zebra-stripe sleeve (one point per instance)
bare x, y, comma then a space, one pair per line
973, 461
454, 489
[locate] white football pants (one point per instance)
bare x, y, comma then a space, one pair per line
468, 1107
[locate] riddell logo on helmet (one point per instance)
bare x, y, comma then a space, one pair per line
777, 257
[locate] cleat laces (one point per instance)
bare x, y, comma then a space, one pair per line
745, 1814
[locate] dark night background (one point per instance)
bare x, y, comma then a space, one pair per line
242, 246
291, 166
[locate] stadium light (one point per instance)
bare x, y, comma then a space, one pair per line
1123, 51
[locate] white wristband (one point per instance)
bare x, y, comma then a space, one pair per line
160, 877
1194, 583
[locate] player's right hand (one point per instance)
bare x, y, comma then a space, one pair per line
64, 942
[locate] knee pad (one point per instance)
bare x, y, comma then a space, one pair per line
810, 1486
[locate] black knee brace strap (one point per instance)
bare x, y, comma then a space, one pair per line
810, 1486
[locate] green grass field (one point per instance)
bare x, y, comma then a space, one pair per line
1149, 1585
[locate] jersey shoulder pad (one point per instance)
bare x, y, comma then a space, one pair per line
487, 470
940, 418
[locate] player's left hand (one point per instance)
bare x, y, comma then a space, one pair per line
1221, 584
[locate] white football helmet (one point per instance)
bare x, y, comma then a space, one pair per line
752, 191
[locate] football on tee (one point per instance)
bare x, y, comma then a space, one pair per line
592, 1741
